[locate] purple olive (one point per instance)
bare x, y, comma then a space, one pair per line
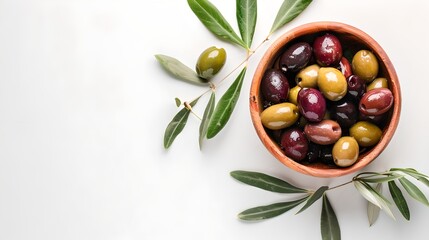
355, 87
295, 57
345, 112
376, 101
345, 67
327, 50
294, 144
274, 86
311, 104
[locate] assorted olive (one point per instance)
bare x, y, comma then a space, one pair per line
312, 104
280, 116
274, 86
327, 50
322, 108
365, 65
295, 57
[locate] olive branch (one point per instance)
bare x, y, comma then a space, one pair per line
217, 114
368, 184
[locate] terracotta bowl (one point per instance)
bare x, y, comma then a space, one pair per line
351, 38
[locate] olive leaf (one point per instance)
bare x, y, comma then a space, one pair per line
366, 193
179, 70
178, 102
266, 182
225, 106
373, 211
289, 10
314, 197
206, 118
269, 211
211, 17
380, 179
413, 191
399, 200
412, 172
246, 18
177, 124
329, 225
374, 197
423, 180
415, 174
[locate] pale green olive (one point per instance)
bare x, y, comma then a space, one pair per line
378, 83
210, 62
345, 151
280, 116
307, 77
365, 65
366, 134
332, 83
293, 94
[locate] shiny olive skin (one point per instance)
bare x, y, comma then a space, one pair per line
295, 57
345, 151
345, 112
293, 94
377, 83
324, 133
307, 77
274, 86
311, 104
355, 87
332, 83
327, 50
280, 116
345, 67
294, 144
365, 65
210, 62
376, 101
366, 134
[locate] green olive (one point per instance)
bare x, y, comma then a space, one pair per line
280, 116
345, 151
365, 65
307, 77
366, 134
332, 83
293, 94
378, 83
210, 62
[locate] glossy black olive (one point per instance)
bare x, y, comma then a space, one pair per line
295, 57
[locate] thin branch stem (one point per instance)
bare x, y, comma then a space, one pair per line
343, 184
189, 107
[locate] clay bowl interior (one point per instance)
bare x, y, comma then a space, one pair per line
352, 39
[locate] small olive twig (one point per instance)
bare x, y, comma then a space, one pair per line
189, 107
357, 178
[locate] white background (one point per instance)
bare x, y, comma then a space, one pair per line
84, 105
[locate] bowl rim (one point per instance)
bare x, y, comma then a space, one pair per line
255, 109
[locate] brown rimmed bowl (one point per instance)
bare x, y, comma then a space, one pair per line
351, 38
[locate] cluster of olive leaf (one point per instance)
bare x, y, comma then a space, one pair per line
364, 183
216, 115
